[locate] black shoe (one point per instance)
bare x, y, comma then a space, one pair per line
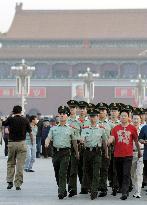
69, 188
130, 188
123, 197
93, 195
37, 155
114, 192
143, 184
119, 190
30, 170
10, 185
102, 194
84, 191
63, 195
72, 193
18, 188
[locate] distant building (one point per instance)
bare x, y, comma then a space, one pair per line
62, 44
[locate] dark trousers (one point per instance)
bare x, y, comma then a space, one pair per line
60, 162
123, 167
145, 171
115, 184
73, 170
91, 169
104, 171
80, 164
112, 174
38, 145
6, 146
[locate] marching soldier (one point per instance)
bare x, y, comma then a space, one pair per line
104, 122
143, 116
93, 138
62, 135
73, 166
112, 174
84, 121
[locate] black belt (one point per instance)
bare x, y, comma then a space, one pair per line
16, 141
60, 149
92, 148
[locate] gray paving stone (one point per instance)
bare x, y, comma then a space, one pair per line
40, 188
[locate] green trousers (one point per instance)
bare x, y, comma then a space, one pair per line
91, 169
73, 172
104, 171
60, 162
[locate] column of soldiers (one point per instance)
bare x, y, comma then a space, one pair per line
89, 157
85, 146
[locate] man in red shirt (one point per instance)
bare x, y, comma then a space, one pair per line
123, 136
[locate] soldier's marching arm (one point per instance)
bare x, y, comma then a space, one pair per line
49, 138
75, 145
105, 143
74, 138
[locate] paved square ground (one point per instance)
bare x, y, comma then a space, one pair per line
40, 188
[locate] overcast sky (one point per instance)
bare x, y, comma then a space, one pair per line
7, 7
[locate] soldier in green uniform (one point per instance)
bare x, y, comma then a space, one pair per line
84, 121
104, 122
73, 165
112, 174
62, 135
93, 138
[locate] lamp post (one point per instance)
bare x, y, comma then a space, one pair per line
140, 85
23, 73
89, 83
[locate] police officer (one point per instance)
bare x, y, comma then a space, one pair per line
143, 113
112, 174
104, 122
62, 135
73, 166
93, 138
84, 121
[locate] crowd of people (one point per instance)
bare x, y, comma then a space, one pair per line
96, 144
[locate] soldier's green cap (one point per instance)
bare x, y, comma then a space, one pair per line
83, 104
129, 108
102, 106
136, 111
72, 103
93, 112
122, 105
114, 106
64, 110
142, 111
90, 106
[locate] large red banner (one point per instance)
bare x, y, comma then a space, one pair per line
124, 92
35, 92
